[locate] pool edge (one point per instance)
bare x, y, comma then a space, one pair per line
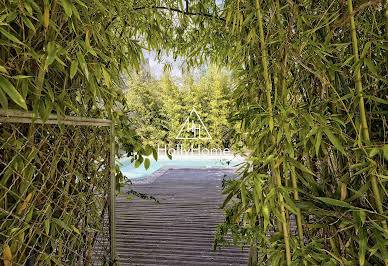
161, 171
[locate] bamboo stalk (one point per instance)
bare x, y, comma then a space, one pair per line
298, 215
364, 125
298, 212
112, 196
274, 171
386, 29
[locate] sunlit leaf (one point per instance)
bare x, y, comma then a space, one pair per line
67, 5
147, 163
73, 68
11, 91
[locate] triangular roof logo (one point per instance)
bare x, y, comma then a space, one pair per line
197, 129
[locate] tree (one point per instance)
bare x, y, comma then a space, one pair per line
160, 108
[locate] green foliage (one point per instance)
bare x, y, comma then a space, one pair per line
310, 94
63, 57
315, 180
54, 192
67, 57
160, 107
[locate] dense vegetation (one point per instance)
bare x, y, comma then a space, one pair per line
311, 99
160, 107
63, 57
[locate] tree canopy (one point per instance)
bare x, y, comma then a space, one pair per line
159, 108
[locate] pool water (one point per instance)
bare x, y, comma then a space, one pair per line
129, 170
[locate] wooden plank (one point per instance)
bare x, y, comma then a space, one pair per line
180, 229
18, 116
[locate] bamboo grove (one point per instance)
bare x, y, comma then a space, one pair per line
62, 57
312, 98
310, 94
160, 106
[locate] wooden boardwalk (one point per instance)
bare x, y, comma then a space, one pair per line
180, 230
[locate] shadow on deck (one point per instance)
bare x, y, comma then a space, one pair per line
180, 230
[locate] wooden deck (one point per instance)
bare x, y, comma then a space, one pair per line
180, 230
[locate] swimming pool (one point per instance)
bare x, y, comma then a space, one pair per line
129, 170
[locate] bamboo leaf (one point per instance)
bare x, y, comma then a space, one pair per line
362, 246
380, 243
29, 215
73, 68
347, 61
366, 49
137, 163
243, 194
371, 66
256, 201
21, 77
76, 230
3, 100
377, 99
291, 204
10, 36
82, 63
373, 152
318, 140
147, 163
51, 54
67, 6
334, 140
3, 69
24, 205
148, 150
359, 192
266, 215
61, 224
47, 226
334, 202
155, 154
46, 16
7, 255
106, 77
227, 199
385, 152
362, 216
28, 23
11, 91
299, 166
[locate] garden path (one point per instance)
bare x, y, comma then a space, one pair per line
180, 229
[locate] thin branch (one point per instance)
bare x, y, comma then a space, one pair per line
355, 11
180, 11
170, 9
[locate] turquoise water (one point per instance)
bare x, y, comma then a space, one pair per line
129, 170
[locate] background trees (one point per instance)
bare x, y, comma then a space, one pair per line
159, 108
